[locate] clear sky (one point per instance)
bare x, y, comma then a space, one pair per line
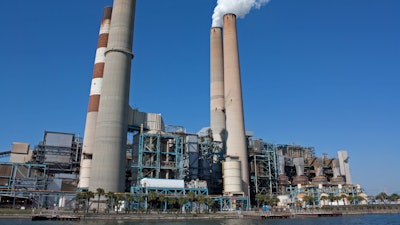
314, 73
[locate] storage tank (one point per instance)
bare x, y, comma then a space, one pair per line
162, 183
232, 177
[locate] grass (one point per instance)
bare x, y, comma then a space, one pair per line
14, 211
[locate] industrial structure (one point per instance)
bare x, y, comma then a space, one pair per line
125, 150
44, 175
174, 163
236, 164
94, 99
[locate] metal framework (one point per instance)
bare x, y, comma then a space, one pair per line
159, 156
296, 151
225, 203
19, 176
210, 156
38, 198
174, 192
264, 175
232, 203
143, 192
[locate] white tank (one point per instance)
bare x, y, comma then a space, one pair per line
232, 178
162, 183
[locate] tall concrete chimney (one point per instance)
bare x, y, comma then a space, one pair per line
236, 139
109, 158
94, 99
217, 102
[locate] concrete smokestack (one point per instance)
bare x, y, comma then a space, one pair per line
95, 92
108, 163
236, 139
217, 102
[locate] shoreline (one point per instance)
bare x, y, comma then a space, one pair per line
390, 209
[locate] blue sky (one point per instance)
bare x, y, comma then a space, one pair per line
314, 73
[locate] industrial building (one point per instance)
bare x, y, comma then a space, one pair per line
125, 150
174, 163
42, 175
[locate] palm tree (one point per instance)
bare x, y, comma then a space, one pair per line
382, 196
130, 199
161, 199
337, 199
331, 198
201, 200
393, 197
119, 199
259, 198
308, 199
267, 200
110, 200
351, 199
100, 192
181, 202
140, 199
358, 199
88, 195
79, 197
172, 201
274, 201
324, 198
209, 202
191, 196
342, 197
151, 197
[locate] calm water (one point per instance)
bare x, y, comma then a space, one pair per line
391, 219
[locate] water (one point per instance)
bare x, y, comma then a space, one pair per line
386, 219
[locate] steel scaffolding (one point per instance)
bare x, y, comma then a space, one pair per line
264, 168
158, 156
20, 176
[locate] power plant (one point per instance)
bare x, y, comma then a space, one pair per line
223, 161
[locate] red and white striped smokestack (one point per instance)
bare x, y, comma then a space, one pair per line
109, 160
236, 140
217, 103
94, 99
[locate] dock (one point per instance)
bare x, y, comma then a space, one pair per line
55, 217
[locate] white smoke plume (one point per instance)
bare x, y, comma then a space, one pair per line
238, 7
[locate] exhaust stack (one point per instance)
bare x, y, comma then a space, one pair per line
94, 99
108, 163
236, 140
217, 103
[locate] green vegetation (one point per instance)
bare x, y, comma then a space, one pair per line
14, 211
266, 200
383, 197
100, 192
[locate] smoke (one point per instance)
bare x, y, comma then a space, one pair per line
238, 7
